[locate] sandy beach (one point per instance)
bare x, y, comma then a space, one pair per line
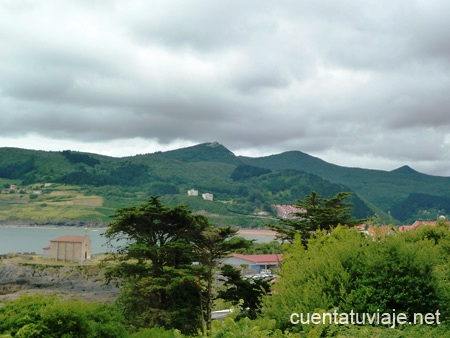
257, 232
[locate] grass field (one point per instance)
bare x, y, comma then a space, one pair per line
57, 203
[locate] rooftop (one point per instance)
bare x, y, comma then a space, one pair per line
68, 238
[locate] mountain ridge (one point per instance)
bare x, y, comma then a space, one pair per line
211, 167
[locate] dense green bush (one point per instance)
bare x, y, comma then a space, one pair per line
406, 273
48, 316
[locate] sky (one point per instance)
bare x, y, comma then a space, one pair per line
356, 83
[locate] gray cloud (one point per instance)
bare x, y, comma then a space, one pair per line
342, 80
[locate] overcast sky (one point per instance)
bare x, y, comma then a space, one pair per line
356, 83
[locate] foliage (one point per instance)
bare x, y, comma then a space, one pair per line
158, 332
75, 157
272, 247
18, 169
159, 285
245, 292
409, 209
245, 171
346, 271
316, 214
39, 316
211, 246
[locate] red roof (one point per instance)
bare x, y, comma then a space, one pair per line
68, 238
261, 259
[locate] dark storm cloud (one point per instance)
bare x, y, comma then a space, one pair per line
344, 79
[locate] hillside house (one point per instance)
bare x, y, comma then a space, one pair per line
254, 262
287, 211
192, 192
207, 196
69, 248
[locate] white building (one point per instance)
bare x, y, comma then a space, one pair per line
192, 192
207, 196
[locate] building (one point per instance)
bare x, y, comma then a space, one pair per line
207, 196
287, 211
192, 192
254, 262
69, 248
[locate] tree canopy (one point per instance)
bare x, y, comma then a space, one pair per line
316, 214
165, 259
401, 272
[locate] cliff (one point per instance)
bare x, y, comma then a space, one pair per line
77, 281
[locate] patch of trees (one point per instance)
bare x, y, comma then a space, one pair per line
17, 169
316, 214
127, 174
409, 207
166, 264
48, 316
87, 178
163, 189
245, 171
74, 157
347, 271
130, 174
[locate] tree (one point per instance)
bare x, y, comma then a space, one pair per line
49, 316
246, 292
401, 272
153, 260
211, 246
316, 213
166, 262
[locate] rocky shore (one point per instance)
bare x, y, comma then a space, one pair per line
21, 275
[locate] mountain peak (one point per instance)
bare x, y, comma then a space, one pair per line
214, 144
204, 152
406, 169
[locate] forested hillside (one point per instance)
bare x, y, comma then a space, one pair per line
244, 188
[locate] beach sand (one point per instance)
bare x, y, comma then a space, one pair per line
257, 232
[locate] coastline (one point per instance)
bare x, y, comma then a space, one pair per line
59, 225
259, 232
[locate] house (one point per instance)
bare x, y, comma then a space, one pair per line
287, 211
420, 223
254, 262
192, 192
69, 248
207, 196
374, 230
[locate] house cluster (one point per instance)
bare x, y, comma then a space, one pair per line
286, 210
206, 196
69, 248
377, 230
256, 263
15, 189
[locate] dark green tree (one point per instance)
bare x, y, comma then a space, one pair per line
316, 213
165, 260
153, 261
211, 246
247, 292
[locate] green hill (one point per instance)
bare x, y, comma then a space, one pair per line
383, 189
88, 188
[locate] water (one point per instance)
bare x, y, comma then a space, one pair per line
14, 239
33, 239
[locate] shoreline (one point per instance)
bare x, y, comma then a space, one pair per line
50, 225
241, 231
259, 232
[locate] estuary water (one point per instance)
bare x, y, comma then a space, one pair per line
20, 239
